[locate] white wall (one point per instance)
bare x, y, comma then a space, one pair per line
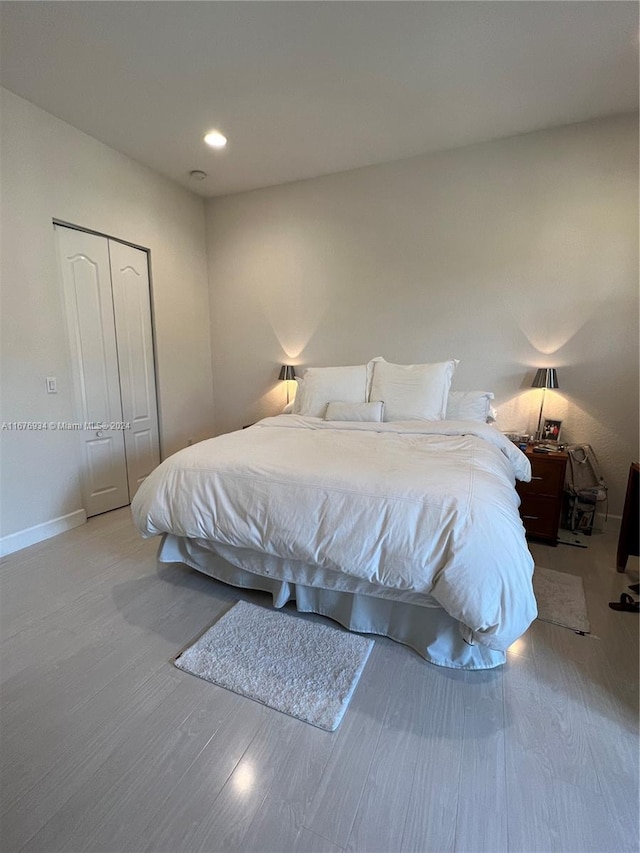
50, 169
507, 255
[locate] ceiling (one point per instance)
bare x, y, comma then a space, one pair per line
303, 89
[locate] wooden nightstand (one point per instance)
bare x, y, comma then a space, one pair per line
542, 497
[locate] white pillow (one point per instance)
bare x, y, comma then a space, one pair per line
370, 367
469, 406
318, 386
412, 391
339, 411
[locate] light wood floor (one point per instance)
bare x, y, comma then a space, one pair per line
106, 746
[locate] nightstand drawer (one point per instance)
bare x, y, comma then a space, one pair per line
547, 478
540, 517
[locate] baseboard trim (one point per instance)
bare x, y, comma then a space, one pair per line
39, 532
608, 517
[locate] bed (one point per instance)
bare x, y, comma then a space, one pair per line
406, 527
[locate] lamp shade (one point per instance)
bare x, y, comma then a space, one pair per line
287, 372
546, 377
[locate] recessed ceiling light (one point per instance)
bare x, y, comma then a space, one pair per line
215, 139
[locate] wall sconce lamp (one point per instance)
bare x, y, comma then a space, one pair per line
546, 377
287, 374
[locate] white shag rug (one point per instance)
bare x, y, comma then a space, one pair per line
305, 669
561, 599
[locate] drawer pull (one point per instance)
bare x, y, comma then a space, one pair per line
537, 478
532, 517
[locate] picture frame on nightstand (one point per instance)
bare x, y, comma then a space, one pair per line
551, 430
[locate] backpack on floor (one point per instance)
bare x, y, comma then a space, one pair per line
584, 487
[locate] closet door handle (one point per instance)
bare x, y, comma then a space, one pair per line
99, 433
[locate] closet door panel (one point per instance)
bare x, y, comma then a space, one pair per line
132, 307
86, 279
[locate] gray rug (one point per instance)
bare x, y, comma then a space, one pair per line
305, 669
561, 599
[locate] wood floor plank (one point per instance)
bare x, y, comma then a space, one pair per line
50, 765
481, 819
617, 761
530, 810
250, 782
106, 613
301, 769
49, 792
76, 604
63, 719
274, 828
430, 823
115, 805
186, 818
380, 818
531, 813
38, 645
309, 842
75, 570
583, 823
544, 729
277, 825
334, 806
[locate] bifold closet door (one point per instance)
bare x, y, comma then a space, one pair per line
108, 305
86, 279
132, 306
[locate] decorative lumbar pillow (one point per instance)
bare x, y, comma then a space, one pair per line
339, 411
318, 386
469, 406
412, 391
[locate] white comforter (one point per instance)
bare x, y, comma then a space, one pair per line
422, 506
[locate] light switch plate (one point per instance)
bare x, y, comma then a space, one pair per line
51, 385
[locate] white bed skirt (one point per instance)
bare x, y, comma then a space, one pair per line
425, 627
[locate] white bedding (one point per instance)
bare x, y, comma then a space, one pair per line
419, 506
